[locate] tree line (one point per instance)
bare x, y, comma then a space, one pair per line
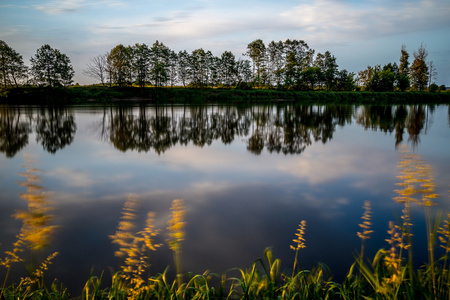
291, 65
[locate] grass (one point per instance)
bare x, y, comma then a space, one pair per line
390, 274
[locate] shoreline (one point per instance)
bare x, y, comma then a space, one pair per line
95, 95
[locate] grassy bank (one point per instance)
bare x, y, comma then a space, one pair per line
96, 94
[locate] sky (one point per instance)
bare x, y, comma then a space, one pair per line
357, 32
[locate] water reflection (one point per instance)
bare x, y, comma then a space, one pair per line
161, 128
280, 129
283, 128
14, 131
36, 228
55, 128
388, 119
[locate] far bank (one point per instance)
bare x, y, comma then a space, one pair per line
95, 94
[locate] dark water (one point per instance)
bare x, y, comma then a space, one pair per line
248, 176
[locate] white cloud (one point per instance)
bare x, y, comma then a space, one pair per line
326, 165
338, 19
72, 178
61, 6
70, 6
84, 178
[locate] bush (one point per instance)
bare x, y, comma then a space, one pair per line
434, 88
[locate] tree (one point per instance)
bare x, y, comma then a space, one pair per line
12, 68
97, 68
215, 75
51, 67
419, 69
275, 52
211, 68
64, 69
172, 67
311, 77
345, 81
183, 67
403, 81
330, 70
141, 63
119, 62
296, 52
308, 60
404, 63
433, 88
198, 68
243, 74
256, 50
433, 73
365, 77
227, 68
109, 68
160, 63
383, 79
319, 63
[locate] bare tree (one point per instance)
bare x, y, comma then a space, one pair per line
433, 73
97, 68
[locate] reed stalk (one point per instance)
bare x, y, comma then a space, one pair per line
175, 227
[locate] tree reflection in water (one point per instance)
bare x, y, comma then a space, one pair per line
14, 131
281, 128
286, 129
390, 118
55, 128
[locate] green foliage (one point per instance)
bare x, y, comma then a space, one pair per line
51, 68
419, 69
433, 88
12, 69
119, 62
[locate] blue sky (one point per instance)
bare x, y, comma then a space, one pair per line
358, 33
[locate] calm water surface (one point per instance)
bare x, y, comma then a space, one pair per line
248, 176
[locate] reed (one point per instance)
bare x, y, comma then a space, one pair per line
299, 242
365, 225
176, 226
134, 247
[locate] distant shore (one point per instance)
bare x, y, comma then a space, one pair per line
97, 94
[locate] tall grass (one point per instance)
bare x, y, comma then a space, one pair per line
389, 274
34, 235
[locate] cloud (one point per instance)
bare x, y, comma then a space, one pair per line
342, 19
61, 6
71, 6
319, 166
72, 177
205, 25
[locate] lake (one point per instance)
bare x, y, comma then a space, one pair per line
248, 175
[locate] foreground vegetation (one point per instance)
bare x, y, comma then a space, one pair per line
390, 274
97, 94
